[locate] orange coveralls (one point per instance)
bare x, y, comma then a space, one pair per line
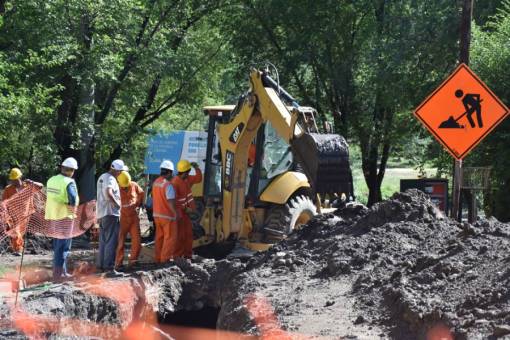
16, 237
131, 198
252, 152
183, 200
165, 221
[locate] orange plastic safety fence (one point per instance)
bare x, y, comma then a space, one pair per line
25, 212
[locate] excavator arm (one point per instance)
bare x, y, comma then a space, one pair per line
261, 104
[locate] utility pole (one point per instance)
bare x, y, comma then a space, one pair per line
465, 31
465, 42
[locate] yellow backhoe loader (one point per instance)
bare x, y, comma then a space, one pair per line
267, 168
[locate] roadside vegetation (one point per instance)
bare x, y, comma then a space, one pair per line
93, 79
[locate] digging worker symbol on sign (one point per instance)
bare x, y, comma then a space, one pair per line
472, 104
461, 94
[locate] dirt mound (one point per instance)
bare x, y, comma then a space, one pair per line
397, 270
38, 244
411, 268
34, 244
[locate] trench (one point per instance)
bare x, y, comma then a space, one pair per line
192, 296
206, 317
215, 251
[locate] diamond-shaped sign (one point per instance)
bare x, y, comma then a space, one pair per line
461, 112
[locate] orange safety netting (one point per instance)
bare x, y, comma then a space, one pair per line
25, 212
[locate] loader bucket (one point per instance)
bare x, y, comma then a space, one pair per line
324, 158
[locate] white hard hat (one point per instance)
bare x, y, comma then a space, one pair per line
167, 165
70, 163
118, 164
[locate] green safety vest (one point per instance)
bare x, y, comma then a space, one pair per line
57, 203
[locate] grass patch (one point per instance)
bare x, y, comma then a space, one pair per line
390, 184
398, 168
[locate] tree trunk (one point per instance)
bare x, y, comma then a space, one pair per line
86, 177
374, 189
78, 107
370, 169
373, 173
66, 115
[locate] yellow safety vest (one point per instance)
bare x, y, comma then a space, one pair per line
57, 203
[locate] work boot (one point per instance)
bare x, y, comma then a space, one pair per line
120, 268
114, 273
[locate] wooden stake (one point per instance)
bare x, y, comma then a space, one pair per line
25, 244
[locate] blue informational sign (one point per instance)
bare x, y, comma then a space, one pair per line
161, 147
190, 145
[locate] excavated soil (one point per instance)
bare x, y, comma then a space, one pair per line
34, 244
104, 307
398, 270
409, 271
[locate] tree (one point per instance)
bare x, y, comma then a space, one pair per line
26, 114
490, 59
115, 68
371, 61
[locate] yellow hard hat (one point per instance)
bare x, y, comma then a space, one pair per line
183, 165
15, 174
124, 179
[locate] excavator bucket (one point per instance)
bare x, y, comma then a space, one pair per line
324, 158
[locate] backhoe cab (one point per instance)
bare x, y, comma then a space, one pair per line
267, 167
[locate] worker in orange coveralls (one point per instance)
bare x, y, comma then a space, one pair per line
17, 184
185, 205
165, 214
252, 153
131, 197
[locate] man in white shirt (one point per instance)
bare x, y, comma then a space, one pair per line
108, 214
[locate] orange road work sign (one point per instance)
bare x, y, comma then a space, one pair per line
461, 112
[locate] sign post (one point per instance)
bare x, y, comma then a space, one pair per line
460, 113
465, 43
457, 186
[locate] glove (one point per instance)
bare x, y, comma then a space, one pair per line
194, 164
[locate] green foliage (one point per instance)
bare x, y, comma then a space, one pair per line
94, 79
26, 116
491, 61
78, 72
373, 61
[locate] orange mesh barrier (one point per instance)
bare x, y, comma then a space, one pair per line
25, 212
